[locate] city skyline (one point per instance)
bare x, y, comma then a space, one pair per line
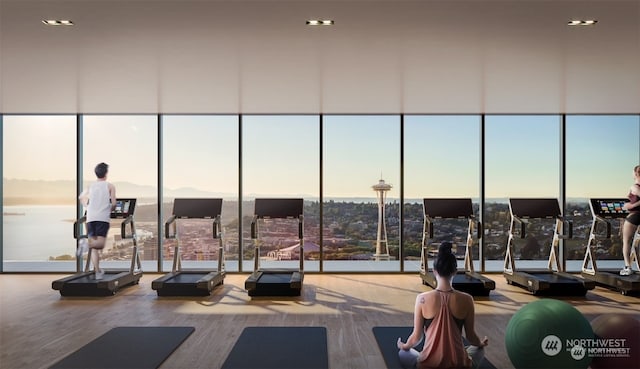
150, 192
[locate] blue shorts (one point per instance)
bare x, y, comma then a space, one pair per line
98, 229
633, 218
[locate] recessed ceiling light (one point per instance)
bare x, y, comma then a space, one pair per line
580, 22
320, 22
57, 22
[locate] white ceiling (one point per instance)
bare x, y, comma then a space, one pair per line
386, 56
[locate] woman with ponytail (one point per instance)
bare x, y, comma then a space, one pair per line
440, 316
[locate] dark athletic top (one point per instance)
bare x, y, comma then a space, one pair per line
459, 322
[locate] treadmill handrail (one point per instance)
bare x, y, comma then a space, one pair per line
135, 257
123, 227
565, 235
170, 225
600, 219
256, 243
474, 223
77, 227
560, 232
477, 224
254, 227
428, 230
217, 234
215, 228
171, 232
428, 223
523, 225
589, 263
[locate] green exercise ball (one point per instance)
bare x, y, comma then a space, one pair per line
546, 334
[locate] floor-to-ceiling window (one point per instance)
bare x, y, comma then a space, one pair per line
200, 160
39, 192
441, 160
129, 145
361, 188
522, 160
601, 152
281, 159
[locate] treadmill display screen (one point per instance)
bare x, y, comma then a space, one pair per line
124, 208
198, 208
448, 208
609, 207
279, 208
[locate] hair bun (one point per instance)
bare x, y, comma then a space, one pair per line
445, 248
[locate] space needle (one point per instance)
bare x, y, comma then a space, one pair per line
382, 248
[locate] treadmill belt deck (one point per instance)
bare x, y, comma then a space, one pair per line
274, 283
611, 278
556, 279
188, 283
464, 278
90, 278
474, 285
85, 284
186, 278
275, 278
547, 282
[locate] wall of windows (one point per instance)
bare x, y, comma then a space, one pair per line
129, 145
522, 160
280, 159
361, 165
601, 152
200, 160
441, 160
338, 164
39, 191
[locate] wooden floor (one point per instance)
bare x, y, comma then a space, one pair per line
39, 327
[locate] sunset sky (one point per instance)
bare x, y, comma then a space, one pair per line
281, 154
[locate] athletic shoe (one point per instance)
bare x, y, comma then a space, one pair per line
99, 275
626, 271
83, 246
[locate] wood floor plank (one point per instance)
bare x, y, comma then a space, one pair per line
39, 327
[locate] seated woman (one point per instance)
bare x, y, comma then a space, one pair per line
439, 316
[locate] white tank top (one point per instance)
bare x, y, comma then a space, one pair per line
99, 207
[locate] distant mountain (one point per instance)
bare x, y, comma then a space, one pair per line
24, 191
193, 192
39, 190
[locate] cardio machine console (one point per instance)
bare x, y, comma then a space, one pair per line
608, 208
124, 208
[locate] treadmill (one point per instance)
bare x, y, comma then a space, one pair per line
84, 283
192, 282
604, 211
551, 280
276, 281
466, 280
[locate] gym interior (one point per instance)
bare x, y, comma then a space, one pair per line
285, 172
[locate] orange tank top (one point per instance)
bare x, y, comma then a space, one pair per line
443, 347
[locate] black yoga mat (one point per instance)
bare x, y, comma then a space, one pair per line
279, 348
127, 347
387, 338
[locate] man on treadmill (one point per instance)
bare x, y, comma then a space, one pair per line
99, 200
